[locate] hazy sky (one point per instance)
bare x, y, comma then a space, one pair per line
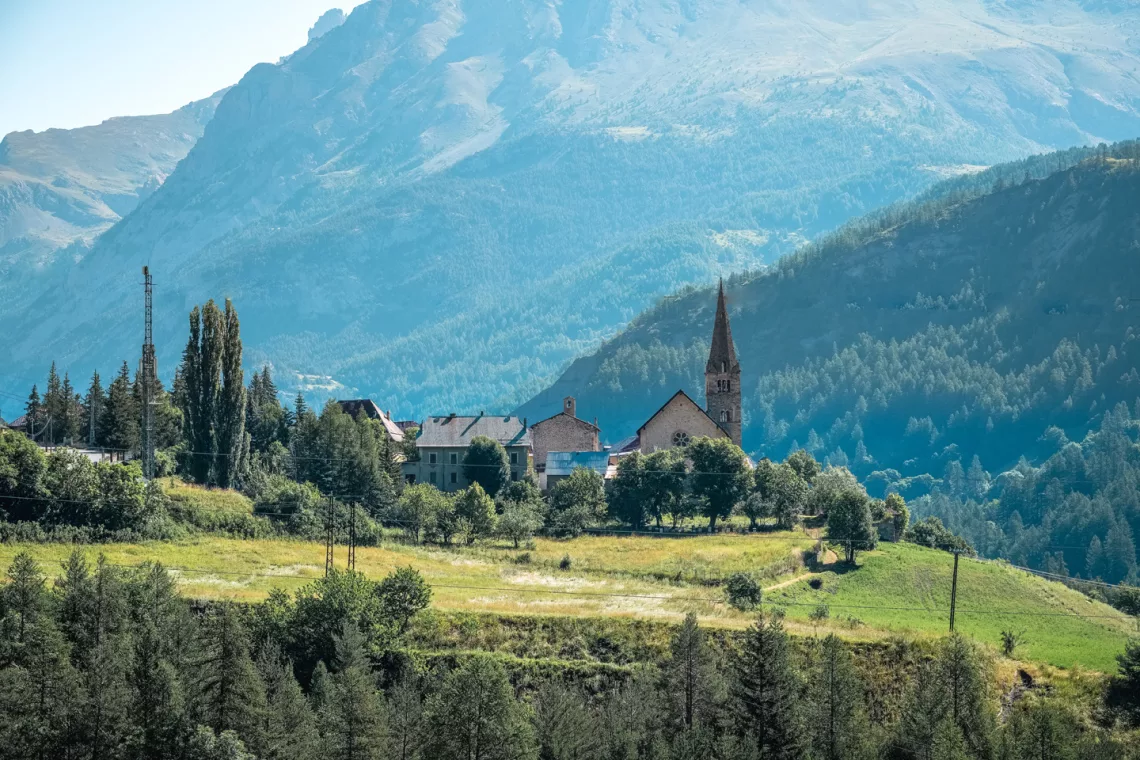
69, 63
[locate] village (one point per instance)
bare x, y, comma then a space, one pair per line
554, 447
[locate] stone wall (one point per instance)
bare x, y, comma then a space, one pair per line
562, 433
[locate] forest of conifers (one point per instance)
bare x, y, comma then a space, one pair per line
109, 662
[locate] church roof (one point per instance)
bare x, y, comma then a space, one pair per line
722, 354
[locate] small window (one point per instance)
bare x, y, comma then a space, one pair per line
453, 478
514, 475
455, 458
514, 457
680, 438
724, 416
431, 458
431, 477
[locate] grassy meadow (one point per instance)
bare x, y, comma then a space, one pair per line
899, 590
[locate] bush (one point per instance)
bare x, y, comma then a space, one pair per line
742, 592
565, 563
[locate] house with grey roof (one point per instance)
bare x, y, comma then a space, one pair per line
443, 441
368, 407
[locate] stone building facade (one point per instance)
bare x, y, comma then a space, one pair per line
675, 424
563, 432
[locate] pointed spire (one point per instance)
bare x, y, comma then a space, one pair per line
722, 354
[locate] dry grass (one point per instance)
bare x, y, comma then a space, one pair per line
898, 590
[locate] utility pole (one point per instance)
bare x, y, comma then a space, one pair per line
352, 537
148, 382
330, 535
954, 593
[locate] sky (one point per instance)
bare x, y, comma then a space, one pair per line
71, 63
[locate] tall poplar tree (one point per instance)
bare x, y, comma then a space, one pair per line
229, 420
201, 375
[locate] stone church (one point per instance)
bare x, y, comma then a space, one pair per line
681, 419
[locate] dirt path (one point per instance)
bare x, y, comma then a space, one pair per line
789, 582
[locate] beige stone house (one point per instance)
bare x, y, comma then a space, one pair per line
562, 432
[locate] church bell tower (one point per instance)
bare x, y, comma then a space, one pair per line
722, 375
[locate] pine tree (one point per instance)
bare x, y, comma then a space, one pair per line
405, 722
1094, 559
34, 414
287, 726
1119, 552
230, 693
55, 407
690, 677
767, 689
120, 421
838, 725
475, 715
964, 675
353, 722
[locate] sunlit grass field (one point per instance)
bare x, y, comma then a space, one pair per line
900, 589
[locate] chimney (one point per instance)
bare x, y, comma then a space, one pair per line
570, 406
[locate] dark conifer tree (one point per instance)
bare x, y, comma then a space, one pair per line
121, 414
838, 723
691, 680
230, 694
287, 726
767, 690
353, 720
34, 415
92, 410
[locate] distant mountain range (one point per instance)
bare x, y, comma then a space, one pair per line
61, 189
440, 205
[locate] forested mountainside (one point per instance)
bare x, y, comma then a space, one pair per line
64, 187
440, 204
931, 347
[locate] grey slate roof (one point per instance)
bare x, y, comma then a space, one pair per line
565, 462
458, 431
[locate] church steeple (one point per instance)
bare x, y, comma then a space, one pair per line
722, 354
722, 375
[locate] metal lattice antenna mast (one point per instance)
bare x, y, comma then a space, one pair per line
330, 535
148, 385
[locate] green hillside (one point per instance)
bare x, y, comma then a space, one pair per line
900, 590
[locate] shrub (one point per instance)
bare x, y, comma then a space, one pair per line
565, 563
742, 592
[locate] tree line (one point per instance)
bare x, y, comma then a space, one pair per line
109, 662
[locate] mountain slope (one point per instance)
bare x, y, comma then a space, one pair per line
963, 325
440, 204
65, 187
